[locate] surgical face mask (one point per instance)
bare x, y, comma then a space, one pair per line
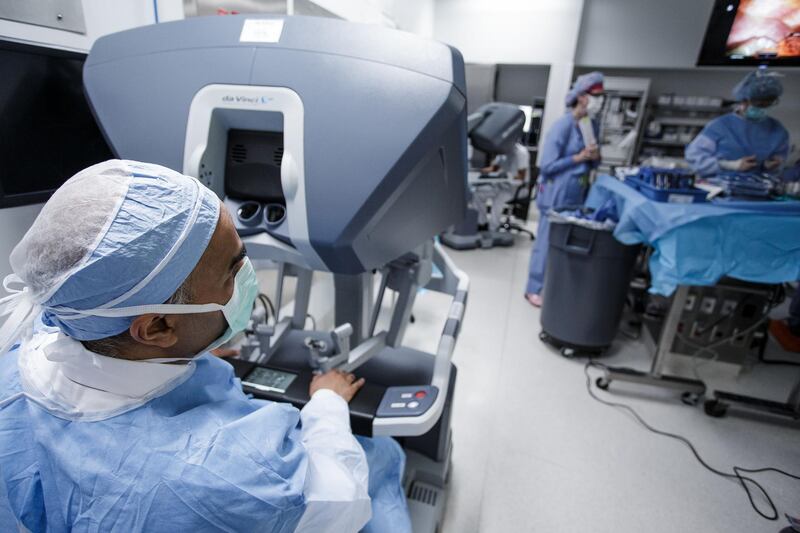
239, 308
236, 312
594, 105
755, 113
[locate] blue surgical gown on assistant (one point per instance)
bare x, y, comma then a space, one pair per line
559, 186
731, 137
202, 457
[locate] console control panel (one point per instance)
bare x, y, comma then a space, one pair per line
406, 401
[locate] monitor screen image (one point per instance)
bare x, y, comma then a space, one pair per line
765, 28
751, 32
47, 130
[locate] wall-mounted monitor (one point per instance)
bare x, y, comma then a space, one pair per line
753, 32
47, 131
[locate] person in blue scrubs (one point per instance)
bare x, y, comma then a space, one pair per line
115, 413
748, 139
565, 165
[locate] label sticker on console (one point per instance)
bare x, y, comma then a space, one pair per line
261, 31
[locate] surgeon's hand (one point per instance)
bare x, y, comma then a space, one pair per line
773, 163
225, 352
342, 383
589, 153
739, 165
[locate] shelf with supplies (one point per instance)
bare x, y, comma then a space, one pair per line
662, 142
669, 125
691, 109
621, 118
684, 121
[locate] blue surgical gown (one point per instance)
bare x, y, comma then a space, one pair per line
559, 186
731, 137
202, 457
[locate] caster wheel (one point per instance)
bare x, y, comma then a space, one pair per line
715, 408
602, 383
690, 398
569, 353
544, 337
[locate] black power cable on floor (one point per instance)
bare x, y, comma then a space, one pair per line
745, 481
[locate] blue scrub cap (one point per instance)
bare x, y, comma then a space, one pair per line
582, 85
118, 234
758, 85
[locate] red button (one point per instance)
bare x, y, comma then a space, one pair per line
420, 394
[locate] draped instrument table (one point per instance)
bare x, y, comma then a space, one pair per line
697, 244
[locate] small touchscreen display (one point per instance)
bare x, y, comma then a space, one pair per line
270, 380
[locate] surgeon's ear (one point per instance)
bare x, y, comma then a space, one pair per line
154, 330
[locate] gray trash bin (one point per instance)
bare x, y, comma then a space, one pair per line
585, 286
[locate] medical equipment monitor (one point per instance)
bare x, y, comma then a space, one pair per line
752, 32
47, 131
269, 379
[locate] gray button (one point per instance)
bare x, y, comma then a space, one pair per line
406, 395
399, 405
413, 405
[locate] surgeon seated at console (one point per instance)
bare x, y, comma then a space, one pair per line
115, 416
515, 167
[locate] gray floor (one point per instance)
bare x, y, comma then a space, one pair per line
533, 452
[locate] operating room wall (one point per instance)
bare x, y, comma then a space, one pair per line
642, 33
517, 84
510, 31
521, 84
717, 81
415, 16
480, 84
536, 32
365, 11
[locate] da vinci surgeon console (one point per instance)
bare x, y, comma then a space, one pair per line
337, 147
